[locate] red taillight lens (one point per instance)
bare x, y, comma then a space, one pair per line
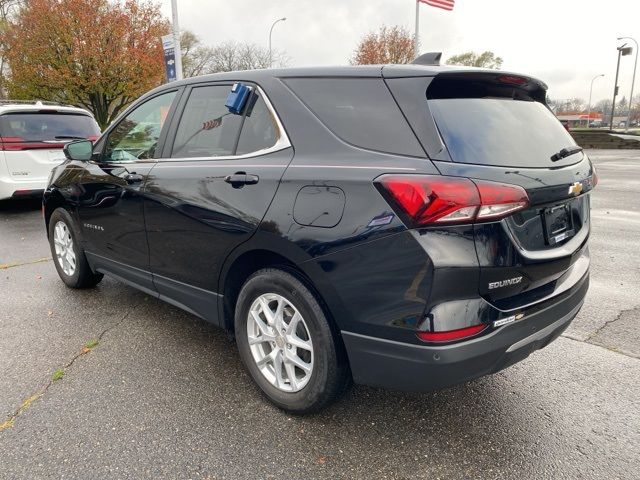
451, 335
19, 143
428, 199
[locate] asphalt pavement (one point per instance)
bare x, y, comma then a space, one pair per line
145, 390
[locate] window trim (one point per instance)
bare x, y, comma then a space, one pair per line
281, 144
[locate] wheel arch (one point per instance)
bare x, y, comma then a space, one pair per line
254, 256
51, 200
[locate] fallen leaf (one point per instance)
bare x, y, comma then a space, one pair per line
321, 460
50, 312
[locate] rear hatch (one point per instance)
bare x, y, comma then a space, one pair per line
497, 127
32, 141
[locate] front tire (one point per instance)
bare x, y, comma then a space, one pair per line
287, 344
68, 256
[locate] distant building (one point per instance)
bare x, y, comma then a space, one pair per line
579, 119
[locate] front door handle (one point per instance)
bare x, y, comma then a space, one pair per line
240, 179
133, 178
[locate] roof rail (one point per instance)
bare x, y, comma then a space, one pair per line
430, 58
31, 102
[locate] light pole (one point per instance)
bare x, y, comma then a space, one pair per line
622, 50
176, 39
270, 32
590, 92
633, 80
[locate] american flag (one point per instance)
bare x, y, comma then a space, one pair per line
211, 124
444, 4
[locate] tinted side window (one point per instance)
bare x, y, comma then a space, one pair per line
136, 135
206, 128
361, 111
259, 130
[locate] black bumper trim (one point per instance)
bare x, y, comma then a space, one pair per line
410, 367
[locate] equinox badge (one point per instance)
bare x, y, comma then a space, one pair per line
505, 283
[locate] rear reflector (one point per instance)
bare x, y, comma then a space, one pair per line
430, 199
451, 335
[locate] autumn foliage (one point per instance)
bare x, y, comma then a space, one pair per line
388, 45
93, 53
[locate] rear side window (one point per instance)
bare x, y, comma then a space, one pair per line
360, 111
206, 128
501, 132
41, 126
259, 130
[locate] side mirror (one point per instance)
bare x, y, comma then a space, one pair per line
78, 150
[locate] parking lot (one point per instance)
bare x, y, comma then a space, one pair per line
164, 395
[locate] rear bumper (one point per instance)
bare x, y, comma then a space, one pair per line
10, 188
402, 366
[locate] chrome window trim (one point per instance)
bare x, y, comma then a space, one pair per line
281, 144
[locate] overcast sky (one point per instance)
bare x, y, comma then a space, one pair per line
563, 42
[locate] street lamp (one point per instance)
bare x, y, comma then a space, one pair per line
622, 50
270, 32
633, 80
176, 39
590, 92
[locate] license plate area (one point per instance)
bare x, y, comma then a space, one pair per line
558, 224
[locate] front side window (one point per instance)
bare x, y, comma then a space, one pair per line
136, 136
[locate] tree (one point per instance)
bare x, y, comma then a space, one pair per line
472, 59
7, 9
96, 54
198, 59
603, 106
388, 45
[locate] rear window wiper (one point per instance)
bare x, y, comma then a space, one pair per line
565, 152
69, 137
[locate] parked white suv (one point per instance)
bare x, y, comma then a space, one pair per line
32, 135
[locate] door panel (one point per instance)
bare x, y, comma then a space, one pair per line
110, 206
195, 215
195, 218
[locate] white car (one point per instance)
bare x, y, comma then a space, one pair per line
32, 135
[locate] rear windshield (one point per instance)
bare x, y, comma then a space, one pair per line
36, 127
501, 131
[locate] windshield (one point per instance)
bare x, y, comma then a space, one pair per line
502, 132
38, 127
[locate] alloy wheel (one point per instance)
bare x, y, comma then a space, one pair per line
280, 342
63, 242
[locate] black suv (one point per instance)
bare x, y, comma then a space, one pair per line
410, 227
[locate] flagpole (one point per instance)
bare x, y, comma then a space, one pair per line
416, 40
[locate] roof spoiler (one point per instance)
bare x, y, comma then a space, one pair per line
430, 58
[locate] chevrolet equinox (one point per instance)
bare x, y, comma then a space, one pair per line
404, 226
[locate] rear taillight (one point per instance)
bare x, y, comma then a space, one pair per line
428, 199
19, 143
451, 335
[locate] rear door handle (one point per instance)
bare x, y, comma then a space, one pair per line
240, 179
133, 178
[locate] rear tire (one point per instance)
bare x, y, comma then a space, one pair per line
287, 344
68, 256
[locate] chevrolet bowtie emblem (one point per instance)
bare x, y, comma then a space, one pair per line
575, 189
